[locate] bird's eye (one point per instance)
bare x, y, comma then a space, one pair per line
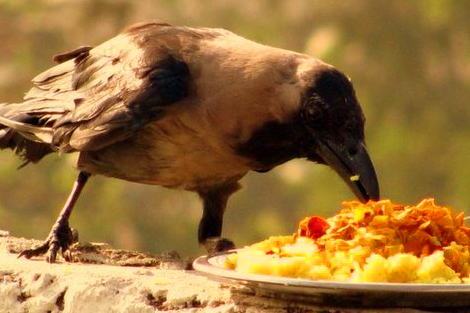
310, 111
314, 114
315, 107
352, 151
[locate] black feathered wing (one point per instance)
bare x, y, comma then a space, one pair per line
96, 97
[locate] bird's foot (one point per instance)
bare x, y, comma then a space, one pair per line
216, 244
60, 238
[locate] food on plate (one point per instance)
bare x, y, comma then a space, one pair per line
373, 242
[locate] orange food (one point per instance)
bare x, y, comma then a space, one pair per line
392, 228
373, 242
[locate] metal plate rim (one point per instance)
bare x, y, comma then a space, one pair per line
212, 266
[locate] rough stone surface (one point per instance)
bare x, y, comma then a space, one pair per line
105, 280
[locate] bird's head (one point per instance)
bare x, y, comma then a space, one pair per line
325, 125
333, 131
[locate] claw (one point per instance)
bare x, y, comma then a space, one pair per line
60, 238
217, 244
29, 253
51, 254
67, 255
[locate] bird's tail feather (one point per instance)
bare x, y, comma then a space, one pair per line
28, 141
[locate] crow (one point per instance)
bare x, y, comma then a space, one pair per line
187, 108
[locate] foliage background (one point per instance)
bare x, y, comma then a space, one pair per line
409, 61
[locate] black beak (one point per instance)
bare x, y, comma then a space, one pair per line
355, 168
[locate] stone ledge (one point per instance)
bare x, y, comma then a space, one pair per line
107, 280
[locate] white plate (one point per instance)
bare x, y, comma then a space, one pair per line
340, 293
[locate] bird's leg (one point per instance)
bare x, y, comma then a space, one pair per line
61, 235
210, 226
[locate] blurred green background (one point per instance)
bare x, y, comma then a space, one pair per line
410, 64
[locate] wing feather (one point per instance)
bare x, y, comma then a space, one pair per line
98, 96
